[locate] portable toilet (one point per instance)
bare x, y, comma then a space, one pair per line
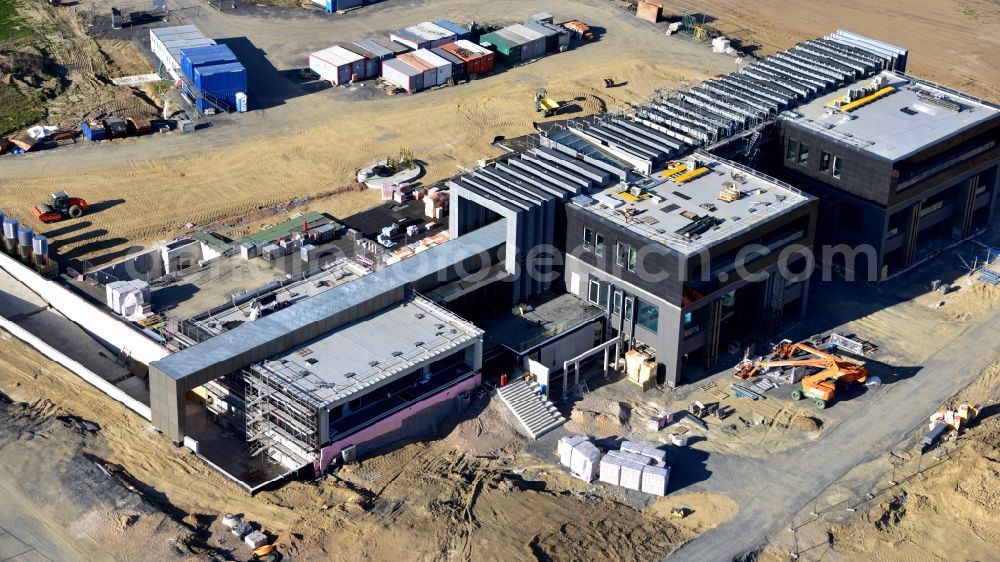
241, 102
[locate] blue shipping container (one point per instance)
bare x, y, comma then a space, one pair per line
336, 5
207, 55
221, 83
93, 131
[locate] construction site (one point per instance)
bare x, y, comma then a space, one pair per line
619, 280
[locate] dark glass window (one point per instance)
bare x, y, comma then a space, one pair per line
647, 315
824, 162
792, 151
588, 239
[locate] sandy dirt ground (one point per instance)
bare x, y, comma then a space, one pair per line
78, 69
446, 499
753, 429
148, 188
947, 512
950, 41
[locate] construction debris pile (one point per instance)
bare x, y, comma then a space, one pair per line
945, 424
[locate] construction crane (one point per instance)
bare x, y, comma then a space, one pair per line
821, 385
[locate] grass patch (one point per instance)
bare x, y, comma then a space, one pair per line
12, 27
18, 110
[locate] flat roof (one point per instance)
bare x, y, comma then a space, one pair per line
352, 358
912, 116
547, 319
665, 207
229, 351
282, 294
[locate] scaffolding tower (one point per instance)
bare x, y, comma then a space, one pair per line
281, 422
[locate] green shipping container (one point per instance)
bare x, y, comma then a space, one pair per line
509, 51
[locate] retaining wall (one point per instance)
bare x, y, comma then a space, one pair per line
93, 319
74, 366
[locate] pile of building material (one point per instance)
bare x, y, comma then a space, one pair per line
129, 298
640, 368
245, 531
659, 421
579, 455
946, 423
636, 466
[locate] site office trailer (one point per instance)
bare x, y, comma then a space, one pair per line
380, 52
371, 61
220, 82
410, 39
459, 31
437, 34
534, 42
403, 75
556, 39
442, 65
336, 64
396, 48
167, 42
206, 55
430, 72
457, 64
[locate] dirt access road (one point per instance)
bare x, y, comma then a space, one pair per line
937, 357
302, 139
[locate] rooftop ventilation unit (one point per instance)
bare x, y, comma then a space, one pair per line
938, 99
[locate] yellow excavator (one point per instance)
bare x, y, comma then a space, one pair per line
544, 104
827, 370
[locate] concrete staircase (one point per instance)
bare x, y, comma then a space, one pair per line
531, 408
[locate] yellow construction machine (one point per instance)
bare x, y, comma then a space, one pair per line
544, 104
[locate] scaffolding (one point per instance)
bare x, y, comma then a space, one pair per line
281, 421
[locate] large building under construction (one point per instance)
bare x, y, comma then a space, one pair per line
679, 227
901, 167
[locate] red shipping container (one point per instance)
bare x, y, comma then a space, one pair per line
478, 59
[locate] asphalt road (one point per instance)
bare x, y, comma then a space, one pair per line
771, 491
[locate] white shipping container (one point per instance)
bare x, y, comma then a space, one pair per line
441, 65
655, 480
631, 475
611, 468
